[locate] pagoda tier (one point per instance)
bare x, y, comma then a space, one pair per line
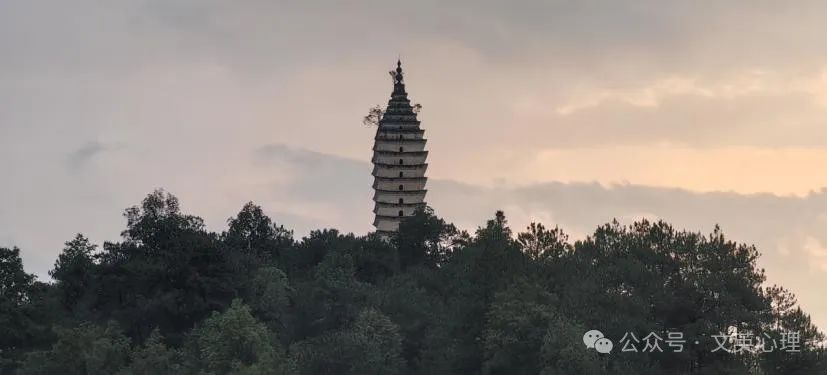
387, 209
399, 183
386, 225
397, 142
408, 145
394, 196
399, 161
400, 158
401, 152
399, 171
399, 134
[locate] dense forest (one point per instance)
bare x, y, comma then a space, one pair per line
172, 297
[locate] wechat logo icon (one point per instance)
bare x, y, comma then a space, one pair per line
595, 339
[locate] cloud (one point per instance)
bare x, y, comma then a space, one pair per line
652, 95
817, 253
83, 155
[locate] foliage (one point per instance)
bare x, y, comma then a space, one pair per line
235, 342
514, 334
252, 231
17, 330
168, 273
425, 239
86, 349
269, 297
154, 357
371, 345
374, 116
74, 270
173, 297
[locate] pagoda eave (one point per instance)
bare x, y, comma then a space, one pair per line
398, 205
400, 130
398, 140
401, 166
390, 217
400, 179
401, 192
399, 122
400, 153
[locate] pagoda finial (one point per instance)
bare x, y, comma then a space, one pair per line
398, 76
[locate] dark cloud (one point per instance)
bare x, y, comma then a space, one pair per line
85, 154
333, 179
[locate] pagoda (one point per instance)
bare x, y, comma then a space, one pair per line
398, 161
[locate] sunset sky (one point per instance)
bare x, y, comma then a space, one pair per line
571, 113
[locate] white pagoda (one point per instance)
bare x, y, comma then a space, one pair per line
398, 161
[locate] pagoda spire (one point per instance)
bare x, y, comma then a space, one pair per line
398, 160
398, 76
398, 80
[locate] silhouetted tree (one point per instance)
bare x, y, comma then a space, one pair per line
17, 330
168, 273
172, 297
74, 270
424, 239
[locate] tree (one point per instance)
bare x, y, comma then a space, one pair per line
374, 115
15, 283
234, 342
372, 345
561, 352
420, 316
256, 233
539, 243
268, 296
74, 271
300, 259
379, 344
153, 357
476, 271
86, 349
168, 273
513, 333
17, 330
424, 239
500, 260
431, 301
656, 278
157, 220
332, 299
787, 318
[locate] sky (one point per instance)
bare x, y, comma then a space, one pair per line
570, 113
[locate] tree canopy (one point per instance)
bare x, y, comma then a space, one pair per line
173, 297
